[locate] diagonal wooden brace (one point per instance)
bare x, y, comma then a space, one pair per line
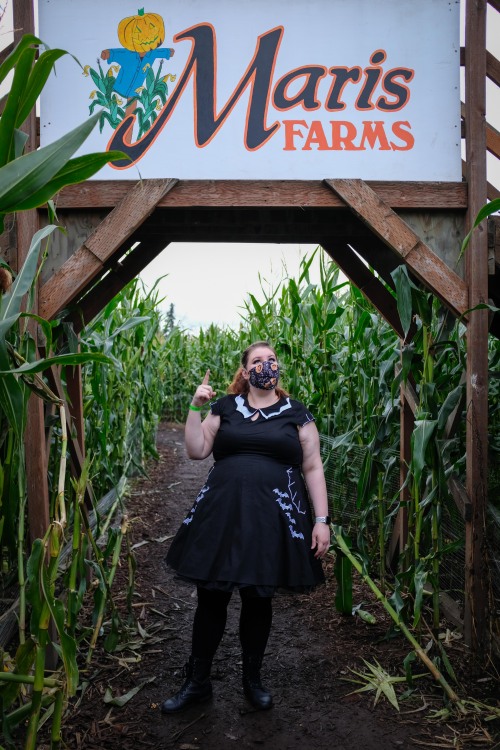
89, 260
402, 240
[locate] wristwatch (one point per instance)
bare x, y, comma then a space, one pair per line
323, 519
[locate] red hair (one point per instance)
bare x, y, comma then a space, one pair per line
240, 385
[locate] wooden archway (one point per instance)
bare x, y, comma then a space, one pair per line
386, 223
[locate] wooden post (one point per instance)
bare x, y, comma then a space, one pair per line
75, 396
27, 225
476, 580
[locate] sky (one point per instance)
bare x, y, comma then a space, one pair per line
208, 283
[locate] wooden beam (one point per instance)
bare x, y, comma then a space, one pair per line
109, 286
492, 66
492, 135
6, 52
411, 397
492, 192
368, 284
27, 225
267, 193
111, 234
476, 624
397, 235
461, 498
493, 140
74, 388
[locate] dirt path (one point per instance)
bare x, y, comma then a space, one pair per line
310, 653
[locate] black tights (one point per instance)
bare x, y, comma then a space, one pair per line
210, 621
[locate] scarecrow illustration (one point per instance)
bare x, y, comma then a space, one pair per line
131, 73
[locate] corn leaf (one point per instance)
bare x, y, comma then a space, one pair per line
490, 208
28, 174
36, 81
61, 359
25, 655
122, 700
449, 404
11, 397
11, 302
343, 575
9, 119
75, 170
421, 436
403, 296
28, 40
67, 644
33, 590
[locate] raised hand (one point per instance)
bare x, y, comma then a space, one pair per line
204, 392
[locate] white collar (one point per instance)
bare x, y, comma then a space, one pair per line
243, 408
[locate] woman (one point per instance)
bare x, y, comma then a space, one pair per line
250, 527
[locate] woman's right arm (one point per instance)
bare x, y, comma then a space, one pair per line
199, 436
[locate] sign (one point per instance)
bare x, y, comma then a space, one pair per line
272, 89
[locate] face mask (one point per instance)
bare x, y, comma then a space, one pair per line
265, 375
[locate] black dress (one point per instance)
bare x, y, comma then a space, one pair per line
251, 523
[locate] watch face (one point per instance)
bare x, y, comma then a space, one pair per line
328, 520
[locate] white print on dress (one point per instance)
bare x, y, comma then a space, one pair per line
287, 507
200, 497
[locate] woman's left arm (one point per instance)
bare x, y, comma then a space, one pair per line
312, 469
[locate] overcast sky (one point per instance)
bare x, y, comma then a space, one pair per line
208, 283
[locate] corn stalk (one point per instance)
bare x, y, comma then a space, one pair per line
437, 675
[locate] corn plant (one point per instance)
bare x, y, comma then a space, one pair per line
150, 98
27, 181
124, 402
343, 362
104, 96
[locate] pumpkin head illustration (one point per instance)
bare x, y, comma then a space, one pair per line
141, 33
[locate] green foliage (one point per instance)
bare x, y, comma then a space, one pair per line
105, 97
147, 101
123, 402
150, 98
28, 180
346, 364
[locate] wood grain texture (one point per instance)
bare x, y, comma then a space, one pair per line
120, 275
269, 193
89, 260
476, 568
134, 208
395, 233
68, 282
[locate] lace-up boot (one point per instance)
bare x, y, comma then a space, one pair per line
196, 688
254, 691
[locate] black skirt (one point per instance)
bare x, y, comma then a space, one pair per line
251, 522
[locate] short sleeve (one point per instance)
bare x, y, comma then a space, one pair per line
301, 414
216, 407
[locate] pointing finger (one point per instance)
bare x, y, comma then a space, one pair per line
206, 378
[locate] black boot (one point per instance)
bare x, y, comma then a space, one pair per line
254, 691
196, 688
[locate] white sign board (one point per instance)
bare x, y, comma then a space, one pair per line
268, 89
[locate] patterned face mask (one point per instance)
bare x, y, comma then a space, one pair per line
265, 375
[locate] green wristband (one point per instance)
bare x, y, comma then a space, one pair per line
194, 408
